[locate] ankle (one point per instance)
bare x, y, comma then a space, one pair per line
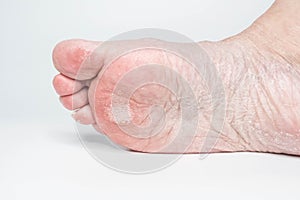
278, 30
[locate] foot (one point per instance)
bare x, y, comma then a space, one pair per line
262, 93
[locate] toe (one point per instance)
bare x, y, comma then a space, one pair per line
66, 86
76, 100
84, 115
69, 55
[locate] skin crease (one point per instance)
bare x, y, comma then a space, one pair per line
259, 69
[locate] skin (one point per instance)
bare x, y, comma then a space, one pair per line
259, 70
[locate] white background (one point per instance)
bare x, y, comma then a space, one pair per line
41, 156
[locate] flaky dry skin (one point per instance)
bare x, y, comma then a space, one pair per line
145, 97
261, 82
263, 94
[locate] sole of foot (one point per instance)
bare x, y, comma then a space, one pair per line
120, 95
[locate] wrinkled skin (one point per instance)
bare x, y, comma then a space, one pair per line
261, 94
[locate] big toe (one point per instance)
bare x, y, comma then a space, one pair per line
69, 56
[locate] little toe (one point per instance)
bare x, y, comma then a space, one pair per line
84, 115
76, 100
69, 55
66, 86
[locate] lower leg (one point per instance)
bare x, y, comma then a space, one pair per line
278, 31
